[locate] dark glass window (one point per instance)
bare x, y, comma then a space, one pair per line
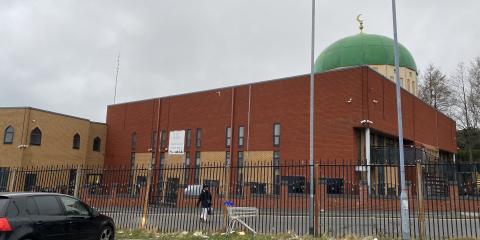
12, 209
48, 205
276, 134
241, 135
36, 137
227, 158
74, 207
154, 141
76, 141
31, 206
188, 138
134, 142
334, 185
296, 184
276, 172
8, 135
163, 138
97, 142
240, 172
228, 136
258, 188
187, 168
197, 168
198, 138
132, 160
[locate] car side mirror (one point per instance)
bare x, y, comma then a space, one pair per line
94, 212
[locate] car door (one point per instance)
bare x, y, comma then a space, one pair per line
48, 218
80, 224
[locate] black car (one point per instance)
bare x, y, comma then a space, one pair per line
51, 216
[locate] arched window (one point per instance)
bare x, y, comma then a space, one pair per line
76, 141
36, 137
8, 135
96, 144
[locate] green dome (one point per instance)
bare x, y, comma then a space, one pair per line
362, 49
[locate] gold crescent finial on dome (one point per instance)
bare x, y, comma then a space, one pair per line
360, 21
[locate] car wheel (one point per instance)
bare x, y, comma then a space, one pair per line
107, 233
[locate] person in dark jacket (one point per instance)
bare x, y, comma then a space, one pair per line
205, 199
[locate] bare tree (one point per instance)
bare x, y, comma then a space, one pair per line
465, 97
474, 98
435, 90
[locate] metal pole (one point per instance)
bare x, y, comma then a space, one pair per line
312, 84
403, 194
368, 157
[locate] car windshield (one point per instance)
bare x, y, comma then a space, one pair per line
3, 205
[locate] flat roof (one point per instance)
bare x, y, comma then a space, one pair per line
51, 112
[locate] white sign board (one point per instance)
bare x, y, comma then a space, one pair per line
176, 142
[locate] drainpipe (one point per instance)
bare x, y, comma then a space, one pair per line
366, 124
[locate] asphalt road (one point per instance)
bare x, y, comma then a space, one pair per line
437, 225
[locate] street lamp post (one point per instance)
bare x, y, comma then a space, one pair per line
311, 162
403, 193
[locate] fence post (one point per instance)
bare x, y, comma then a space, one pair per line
421, 213
316, 219
77, 181
147, 196
13, 178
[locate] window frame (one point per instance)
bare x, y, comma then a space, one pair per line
188, 138
198, 162
228, 137
76, 141
241, 136
198, 138
38, 134
275, 136
133, 142
163, 139
97, 144
64, 205
59, 205
9, 131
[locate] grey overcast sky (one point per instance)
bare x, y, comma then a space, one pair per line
61, 55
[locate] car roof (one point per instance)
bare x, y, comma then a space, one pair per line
28, 194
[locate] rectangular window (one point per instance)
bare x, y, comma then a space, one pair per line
296, 184
187, 168
239, 183
241, 135
163, 138
198, 138
154, 141
276, 172
334, 185
188, 138
276, 134
227, 158
160, 177
197, 168
132, 160
228, 137
258, 188
134, 142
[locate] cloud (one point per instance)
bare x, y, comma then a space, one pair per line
61, 55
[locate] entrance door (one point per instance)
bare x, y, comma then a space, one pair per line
30, 182
71, 181
172, 188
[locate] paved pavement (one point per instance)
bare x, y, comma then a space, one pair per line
437, 225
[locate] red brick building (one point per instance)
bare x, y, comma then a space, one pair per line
270, 122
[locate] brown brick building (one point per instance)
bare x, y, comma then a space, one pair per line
268, 122
343, 98
37, 138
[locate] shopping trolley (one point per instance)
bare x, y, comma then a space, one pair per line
239, 214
